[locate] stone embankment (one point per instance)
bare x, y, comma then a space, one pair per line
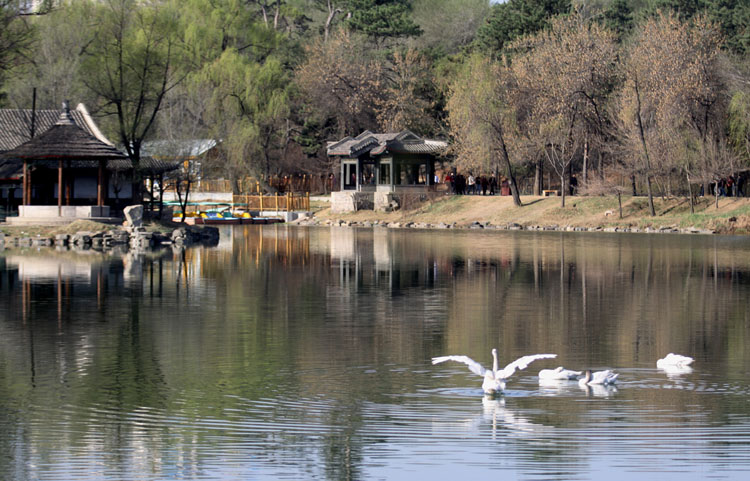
511, 226
133, 235
137, 238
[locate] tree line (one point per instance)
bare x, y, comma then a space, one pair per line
647, 95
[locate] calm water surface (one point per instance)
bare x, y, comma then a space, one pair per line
296, 353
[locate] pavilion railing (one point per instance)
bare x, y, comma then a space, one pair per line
280, 203
282, 184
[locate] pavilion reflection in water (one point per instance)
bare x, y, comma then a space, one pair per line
53, 285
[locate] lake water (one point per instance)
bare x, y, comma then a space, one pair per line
304, 353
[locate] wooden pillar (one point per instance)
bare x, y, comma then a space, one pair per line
100, 185
359, 170
26, 183
68, 187
153, 192
59, 187
161, 195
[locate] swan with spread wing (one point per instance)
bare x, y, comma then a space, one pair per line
494, 379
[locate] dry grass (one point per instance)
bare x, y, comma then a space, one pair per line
732, 216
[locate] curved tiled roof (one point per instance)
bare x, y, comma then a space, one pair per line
64, 141
15, 125
77, 146
376, 144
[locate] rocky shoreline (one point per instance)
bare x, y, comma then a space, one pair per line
501, 227
136, 238
131, 236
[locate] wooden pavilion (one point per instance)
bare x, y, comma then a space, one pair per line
378, 170
388, 162
54, 163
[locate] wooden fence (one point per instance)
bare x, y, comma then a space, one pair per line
281, 184
280, 203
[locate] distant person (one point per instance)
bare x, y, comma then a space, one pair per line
460, 184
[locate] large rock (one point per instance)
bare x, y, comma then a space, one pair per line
134, 215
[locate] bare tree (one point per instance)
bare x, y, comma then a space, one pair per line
131, 63
15, 37
674, 97
565, 75
339, 78
401, 105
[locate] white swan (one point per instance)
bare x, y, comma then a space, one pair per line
559, 374
672, 360
599, 377
494, 380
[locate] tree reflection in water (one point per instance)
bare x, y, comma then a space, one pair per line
306, 350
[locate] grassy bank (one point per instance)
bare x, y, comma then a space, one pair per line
731, 217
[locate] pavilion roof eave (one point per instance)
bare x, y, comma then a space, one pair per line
63, 141
15, 158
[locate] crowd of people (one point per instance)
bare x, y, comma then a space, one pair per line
729, 187
459, 184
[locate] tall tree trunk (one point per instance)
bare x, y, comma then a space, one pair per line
562, 187
183, 201
690, 193
332, 11
585, 160
538, 177
645, 151
511, 177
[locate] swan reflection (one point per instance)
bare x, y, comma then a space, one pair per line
675, 371
495, 411
598, 390
555, 387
